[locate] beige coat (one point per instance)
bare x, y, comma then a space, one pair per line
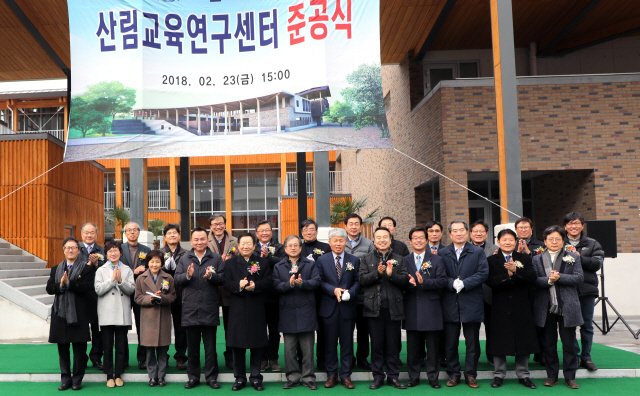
155, 319
213, 245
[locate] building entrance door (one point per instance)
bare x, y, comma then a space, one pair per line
482, 210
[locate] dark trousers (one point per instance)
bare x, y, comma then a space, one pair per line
79, 362
141, 353
552, 327
228, 353
587, 304
320, 343
299, 367
179, 333
362, 324
157, 361
471, 333
208, 336
109, 334
416, 342
487, 328
96, 352
385, 345
336, 327
240, 364
272, 312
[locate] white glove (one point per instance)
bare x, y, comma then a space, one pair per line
458, 285
169, 264
346, 296
310, 257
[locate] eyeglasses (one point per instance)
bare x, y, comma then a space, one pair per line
132, 230
88, 233
523, 228
418, 239
479, 232
263, 231
291, 246
575, 223
216, 225
308, 230
436, 231
554, 239
72, 248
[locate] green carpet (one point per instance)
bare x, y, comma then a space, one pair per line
43, 358
608, 386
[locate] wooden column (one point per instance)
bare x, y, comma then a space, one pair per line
119, 183
504, 71
227, 191
173, 184
66, 119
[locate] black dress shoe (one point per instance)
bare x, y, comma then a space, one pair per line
497, 382
238, 385
97, 364
364, 364
435, 384
182, 365
311, 385
413, 383
153, 382
258, 386
191, 384
396, 383
290, 385
76, 387
589, 365
64, 387
142, 365
213, 384
376, 384
527, 382
161, 382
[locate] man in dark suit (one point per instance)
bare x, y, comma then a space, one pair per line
248, 278
273, 252
92, 253
383, 277
527, 243
398, 247
462, 302
312, 248
423, 312
339, 273
134, 255
434, 236
70, 282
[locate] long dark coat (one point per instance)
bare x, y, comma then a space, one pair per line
247, 326
83, 256
155, 319
422, 308
297, 304
200, 296
512, 328
468, 305
59, 331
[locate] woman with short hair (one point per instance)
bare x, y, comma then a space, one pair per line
114, 284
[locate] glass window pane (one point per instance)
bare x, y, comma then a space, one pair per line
239, 190
526, 190
272, 177
437, 75
201, 190
495, 189
239, 220
202, 220
217, 181
436, 191
256, 189
255, 218
469, 70
125, 181
164, 180
479, 186
152, 181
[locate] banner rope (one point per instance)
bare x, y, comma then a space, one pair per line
31, 181
451, 180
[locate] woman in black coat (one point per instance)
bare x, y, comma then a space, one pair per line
513, 332
71, 282
247, 277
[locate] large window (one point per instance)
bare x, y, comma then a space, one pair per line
109, 190
436, 72
207, 195
255, 196
48, 119
159, 190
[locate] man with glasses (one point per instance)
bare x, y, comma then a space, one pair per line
312, 248
70, 282
93, 254
134, 255
527, 243
226, 245
273, 252
434, 235
591, 257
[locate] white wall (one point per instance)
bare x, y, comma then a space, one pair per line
622, 277
20, 324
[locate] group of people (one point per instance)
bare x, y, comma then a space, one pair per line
526, 291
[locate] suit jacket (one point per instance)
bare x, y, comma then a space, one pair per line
59, 331
440, 246
348, 280
422, 308
200, 296
373, 284
275, 256
566, 289
126, 256
472, 268
114, 300
307, 250
297, 304
155, 318
247, 326
489, 250
512, 329
83, 255
228, 241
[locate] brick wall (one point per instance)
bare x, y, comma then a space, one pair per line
587, 126
268, 117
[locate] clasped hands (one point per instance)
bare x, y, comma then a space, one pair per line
342, 294
511, 267
413, 281
293, 281
116, 275
247, 285
382, 268
458, 285
553, 278
64, 281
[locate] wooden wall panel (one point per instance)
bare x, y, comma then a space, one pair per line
289, 215
34, 217
168, 217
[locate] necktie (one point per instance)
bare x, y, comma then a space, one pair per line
434, 249
338, 267
508, 258
418, 262
69, 266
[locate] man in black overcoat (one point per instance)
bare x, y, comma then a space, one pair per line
248, 278
71, 282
